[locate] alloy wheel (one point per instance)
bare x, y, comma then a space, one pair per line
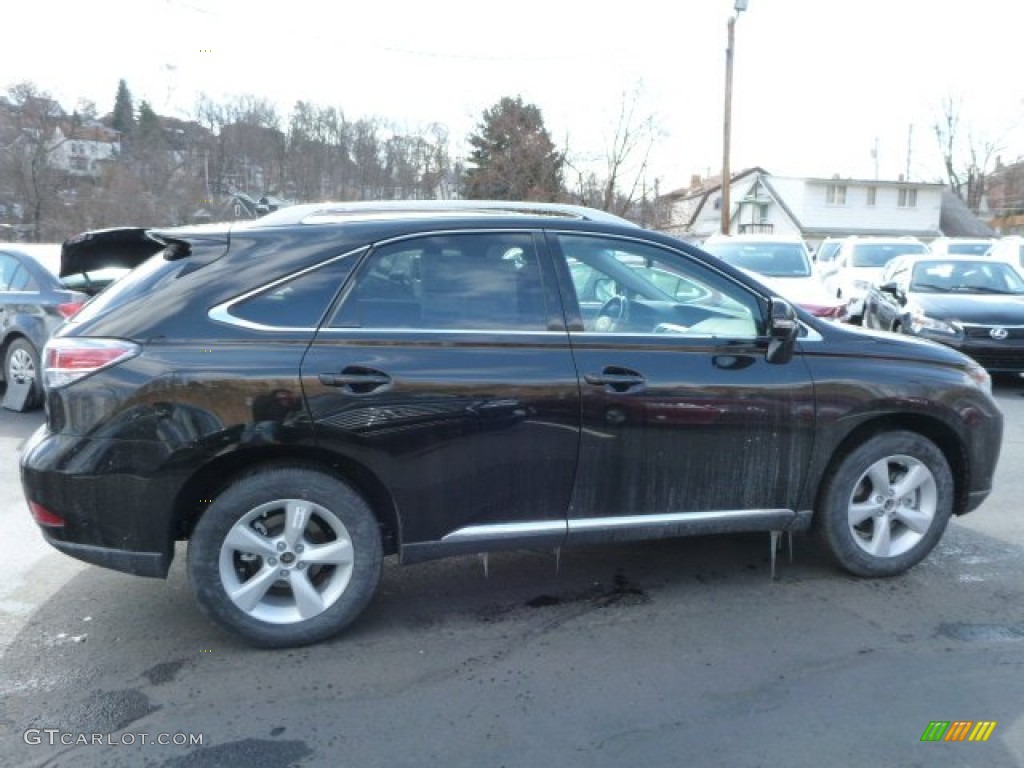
286, 561
892, 506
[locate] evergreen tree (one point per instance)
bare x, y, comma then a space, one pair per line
513, 157
124, 111
148, 126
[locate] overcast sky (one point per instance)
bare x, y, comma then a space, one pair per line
817, 82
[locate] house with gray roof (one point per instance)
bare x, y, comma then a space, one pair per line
816, 208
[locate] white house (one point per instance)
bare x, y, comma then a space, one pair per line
811, 208
81, 150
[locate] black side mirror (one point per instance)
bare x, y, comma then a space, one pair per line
894, 290
783, 328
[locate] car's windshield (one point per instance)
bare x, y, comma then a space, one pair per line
766, 258
879, 254
966, 277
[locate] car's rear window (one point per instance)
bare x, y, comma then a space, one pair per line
880, 254
969, 248
767, 258
141, 281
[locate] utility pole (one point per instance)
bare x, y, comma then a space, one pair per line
740, 5
910, 142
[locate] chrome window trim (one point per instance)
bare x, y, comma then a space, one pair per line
434, 331
647, 335
221, 312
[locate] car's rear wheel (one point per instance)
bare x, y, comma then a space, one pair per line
885, 505
21, 366
285, 556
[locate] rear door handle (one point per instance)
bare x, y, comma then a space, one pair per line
357, 381
618, 380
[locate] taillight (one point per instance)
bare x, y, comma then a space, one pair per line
69, 359
833, 311
43, 516
70, 308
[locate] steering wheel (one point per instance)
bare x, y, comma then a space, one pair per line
613, 315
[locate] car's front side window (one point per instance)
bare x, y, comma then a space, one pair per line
624, 286
472, 281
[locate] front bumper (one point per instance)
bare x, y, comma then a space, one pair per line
1006, 356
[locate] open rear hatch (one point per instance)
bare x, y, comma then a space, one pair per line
89, 262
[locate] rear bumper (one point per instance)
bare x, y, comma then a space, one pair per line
154, 564
975, 499
115, 513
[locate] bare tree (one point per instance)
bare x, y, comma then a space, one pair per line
247, 153
25, 157
627, 154
966, 154
625, 188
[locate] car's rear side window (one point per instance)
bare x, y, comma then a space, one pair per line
8, 266
23, 281
474, 281
300, 301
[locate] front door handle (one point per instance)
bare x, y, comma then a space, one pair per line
356, 380
617, 380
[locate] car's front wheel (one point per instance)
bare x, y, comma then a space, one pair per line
885, 505
285, 556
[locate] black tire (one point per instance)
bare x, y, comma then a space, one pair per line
263, 562
21, 363
877, 519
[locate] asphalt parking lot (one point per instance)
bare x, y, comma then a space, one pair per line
660, 653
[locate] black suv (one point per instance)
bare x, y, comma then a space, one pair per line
301, 395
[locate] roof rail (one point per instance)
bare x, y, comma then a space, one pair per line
333, 212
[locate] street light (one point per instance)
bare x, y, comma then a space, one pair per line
740, 6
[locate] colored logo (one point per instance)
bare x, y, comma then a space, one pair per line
958, 730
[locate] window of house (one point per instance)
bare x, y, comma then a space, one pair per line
835, 194
872, 192
907, 198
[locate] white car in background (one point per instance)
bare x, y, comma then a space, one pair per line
781, 263
859, 266
825, 256
960, 246
1009, 249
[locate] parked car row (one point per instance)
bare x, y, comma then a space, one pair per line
433, 379
965, 293
43, 285
972, 303
33, 303
783, 264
